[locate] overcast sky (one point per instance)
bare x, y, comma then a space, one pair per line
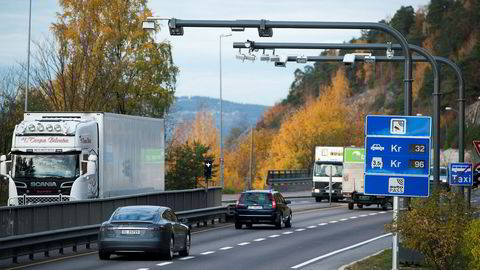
197, 52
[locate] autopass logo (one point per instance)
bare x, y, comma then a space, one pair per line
40, 140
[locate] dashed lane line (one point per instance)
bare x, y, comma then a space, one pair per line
312, 227
226, 248
274, 236
187, 258
259, 239
243, 243
343, 219
353, 217
300, 230
164, 263
207, 252
289, 232
333, 221
322, 224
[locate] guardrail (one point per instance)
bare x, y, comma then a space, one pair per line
289, 180
28, 219
29, 244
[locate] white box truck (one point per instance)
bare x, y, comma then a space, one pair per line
63, 156
327, 157
353, 181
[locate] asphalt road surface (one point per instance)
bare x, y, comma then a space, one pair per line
321, 237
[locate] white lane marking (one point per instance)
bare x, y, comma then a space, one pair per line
243, 243
343, 219
372, 214
187, 258
353, 217
383, 212
207, 252
299, 230
143, 269
363, 215
339, 251
289, 232
226, 248
333, 221
164, 263
274, 235
312, 227
259, 239
322, 224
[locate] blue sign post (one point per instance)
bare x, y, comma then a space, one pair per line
460, 174
397, 155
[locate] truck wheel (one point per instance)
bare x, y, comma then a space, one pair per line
102, 255
318, 199
360, 206
350, 206
238, 225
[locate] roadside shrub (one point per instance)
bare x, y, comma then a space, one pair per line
472, 244
433, 226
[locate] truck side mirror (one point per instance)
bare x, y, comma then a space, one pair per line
3, 164
92, 164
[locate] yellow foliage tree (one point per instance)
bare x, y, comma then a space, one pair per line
324, 121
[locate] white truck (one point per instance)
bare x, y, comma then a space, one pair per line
64, 156
326, 158
353, 181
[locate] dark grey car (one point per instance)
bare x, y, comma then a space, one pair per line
152, 229
262, 207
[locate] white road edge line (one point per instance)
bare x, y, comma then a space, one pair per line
164, 263
340, 250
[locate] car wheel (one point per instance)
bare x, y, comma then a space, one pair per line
186, 250
103, 255
278, 224
249, 225
350, 205
318, 199
169, 252
288, 223
238, 225
360, 206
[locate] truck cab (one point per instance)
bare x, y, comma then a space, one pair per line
327, 159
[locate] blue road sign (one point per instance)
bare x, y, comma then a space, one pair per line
397, 155
460, 174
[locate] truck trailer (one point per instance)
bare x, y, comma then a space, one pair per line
66, 156
353, 181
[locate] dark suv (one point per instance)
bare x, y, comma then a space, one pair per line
262, 207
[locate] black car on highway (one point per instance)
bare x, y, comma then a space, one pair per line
262, 207
152, 229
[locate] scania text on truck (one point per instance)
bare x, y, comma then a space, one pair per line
65, 156
353, 181
327, 156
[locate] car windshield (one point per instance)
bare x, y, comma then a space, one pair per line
255, 198
44, 166
320, 170
135, 214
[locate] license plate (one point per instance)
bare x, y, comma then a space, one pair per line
130, 231
364, 198
255, 207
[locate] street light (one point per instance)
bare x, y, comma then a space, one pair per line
475, 114
221, 108
28, 57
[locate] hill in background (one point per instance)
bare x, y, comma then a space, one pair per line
235, 115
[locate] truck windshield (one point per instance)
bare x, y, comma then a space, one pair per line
44, 166
320, 169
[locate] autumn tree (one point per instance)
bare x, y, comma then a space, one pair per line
101, 59
322, 122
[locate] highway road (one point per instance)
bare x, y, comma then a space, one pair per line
321, 237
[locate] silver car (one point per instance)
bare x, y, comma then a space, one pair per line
152, 229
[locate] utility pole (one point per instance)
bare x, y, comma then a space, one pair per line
251, 161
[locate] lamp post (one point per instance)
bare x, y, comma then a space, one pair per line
28, 57
221, 107
475, 114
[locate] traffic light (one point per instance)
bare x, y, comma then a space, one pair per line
207, 168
